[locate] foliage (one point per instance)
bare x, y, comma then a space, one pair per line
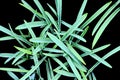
54, 45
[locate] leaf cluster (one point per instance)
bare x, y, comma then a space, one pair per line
52, 43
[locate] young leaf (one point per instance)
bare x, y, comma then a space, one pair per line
23, 50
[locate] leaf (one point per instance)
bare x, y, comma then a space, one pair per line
13, 69
33, 69
12, 75
115, 50
65, 73
104, 16
60, 63
52, 20
101, 60
78, 37
103, 26
96, 14
52, 9
75, 71
100, 48
41, 9
76, 54
41, 40
31, 25
20, 55
10, 58
5, 30
56, 77
74, 27
21, 61
53, 50
6, 38
80, 13
59, 13
83, 75
61, 45
52, 55
6, 55
23, 50
81, 47
27, 6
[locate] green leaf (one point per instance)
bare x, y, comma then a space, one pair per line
81, 47
5, 30
96, 14
6, 38
65, 73
10, 58
12, 75
6, 55
101, 60
21, 61
104, 16
33, 69
59, 13
20, 55
56, 77
46, 28
76, 54
60, 63
117, 49
100, 48
61, 45
23, 50
31, 25
52, 20
80, 13
74, 27
41, 40
52, 55
84, 75
27, 6
52, 9
53, 50
103, 26
75, 71
13, 69
78, 37
38, 4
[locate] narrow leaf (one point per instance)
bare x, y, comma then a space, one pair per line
23, 50
96, 14
103, 26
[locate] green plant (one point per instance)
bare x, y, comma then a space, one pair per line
53, 43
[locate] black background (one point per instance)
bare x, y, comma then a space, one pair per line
11, 12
